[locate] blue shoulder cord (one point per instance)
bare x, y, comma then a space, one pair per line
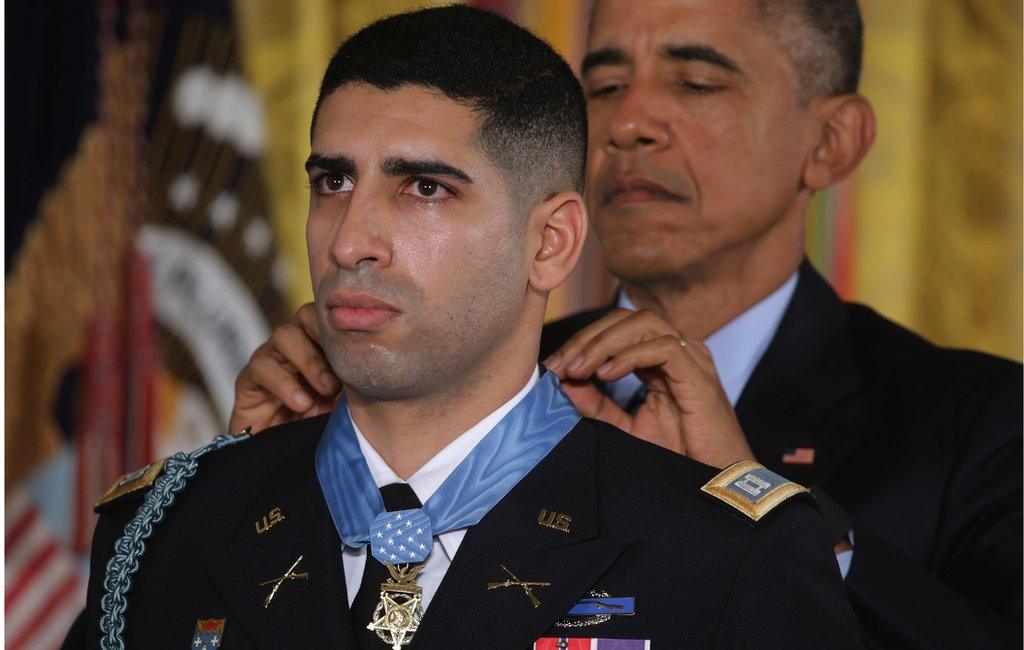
128, 548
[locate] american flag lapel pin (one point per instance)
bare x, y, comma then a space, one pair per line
798, 456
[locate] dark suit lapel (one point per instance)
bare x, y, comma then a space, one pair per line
806, 390
465, 614
304, 612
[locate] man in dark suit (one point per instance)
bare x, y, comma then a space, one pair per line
711, 124
914, 448
447, 157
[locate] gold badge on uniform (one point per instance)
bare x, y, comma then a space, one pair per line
277, 582
269, 520
751, 488
516, 582
553, 519
399, 612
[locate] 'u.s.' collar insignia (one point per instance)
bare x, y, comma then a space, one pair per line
751, 488
209, 634
552, 519
131, 482
269, 520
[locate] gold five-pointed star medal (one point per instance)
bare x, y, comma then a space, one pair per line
397, 616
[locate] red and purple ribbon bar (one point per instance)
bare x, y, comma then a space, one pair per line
569, 643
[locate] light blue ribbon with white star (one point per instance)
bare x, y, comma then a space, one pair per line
499, 461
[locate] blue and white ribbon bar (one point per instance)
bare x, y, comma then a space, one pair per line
604, 605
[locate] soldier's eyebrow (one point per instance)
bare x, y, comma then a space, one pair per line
407, 167
340, 165
701, 52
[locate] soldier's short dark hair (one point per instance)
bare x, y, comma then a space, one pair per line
533, 121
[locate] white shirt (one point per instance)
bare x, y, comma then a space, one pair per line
736, 348
424, 483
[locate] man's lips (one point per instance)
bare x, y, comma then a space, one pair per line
623, 190
359, 312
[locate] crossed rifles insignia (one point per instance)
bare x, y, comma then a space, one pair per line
277, 582
516, 582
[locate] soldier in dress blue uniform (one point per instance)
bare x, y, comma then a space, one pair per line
454, 497
712, 122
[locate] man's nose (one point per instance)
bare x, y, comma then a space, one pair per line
635, 123
361, 237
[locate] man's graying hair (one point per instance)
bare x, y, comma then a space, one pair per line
533, 120
823, 38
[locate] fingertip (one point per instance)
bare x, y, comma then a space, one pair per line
302, 400
575, 364
557, 371
329, 381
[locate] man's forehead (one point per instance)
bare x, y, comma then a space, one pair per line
409, 120
721, 24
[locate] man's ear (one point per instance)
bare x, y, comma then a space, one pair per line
847, 133
558, 228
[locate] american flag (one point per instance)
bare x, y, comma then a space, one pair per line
43, 591
799, 456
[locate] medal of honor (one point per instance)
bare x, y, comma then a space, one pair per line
402, 539
397, 616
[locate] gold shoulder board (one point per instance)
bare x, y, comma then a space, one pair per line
131, 482
750, 488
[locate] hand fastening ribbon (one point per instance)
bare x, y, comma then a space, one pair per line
501, 459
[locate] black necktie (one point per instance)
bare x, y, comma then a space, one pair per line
397, 496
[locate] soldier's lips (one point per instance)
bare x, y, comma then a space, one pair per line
359, 312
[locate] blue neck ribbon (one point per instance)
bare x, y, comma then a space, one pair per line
499, 461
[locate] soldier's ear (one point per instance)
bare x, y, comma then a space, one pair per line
558, 228
847, 131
